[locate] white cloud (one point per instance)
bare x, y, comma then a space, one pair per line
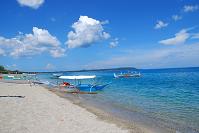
105, 22
58, 52
179, 56
114, 43
86, 32
31, 44
176, 17
31, 3
190, 8
179, 38
160, 24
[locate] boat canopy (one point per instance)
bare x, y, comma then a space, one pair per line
78, 77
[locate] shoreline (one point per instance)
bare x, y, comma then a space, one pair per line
99, 113
43, 111
132, 126
103, 115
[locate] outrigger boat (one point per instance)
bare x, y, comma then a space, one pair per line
127, 75
80, 86
56, 75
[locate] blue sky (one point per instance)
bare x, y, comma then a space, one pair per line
48, 35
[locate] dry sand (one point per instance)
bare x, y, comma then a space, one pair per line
42, 111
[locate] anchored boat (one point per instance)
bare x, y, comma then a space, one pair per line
83, 87
56, 75
127, 75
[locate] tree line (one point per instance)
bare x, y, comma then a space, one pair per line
3, 70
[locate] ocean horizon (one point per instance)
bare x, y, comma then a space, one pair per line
175, 69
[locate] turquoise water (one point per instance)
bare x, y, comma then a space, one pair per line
169, 97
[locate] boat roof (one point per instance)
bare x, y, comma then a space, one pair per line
10, 76
78, 77
32, 74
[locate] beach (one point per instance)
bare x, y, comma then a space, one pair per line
40, 111
81, 66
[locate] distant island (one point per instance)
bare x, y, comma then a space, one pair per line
105, 69
3, 70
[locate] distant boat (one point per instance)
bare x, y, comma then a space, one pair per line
31, 74
84, 87
10, 76
127, 75
17, 78
56, 75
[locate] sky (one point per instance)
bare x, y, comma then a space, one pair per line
53, 35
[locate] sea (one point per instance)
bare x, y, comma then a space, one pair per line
161, 98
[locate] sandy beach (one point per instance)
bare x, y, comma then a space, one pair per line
41, 111
99, 66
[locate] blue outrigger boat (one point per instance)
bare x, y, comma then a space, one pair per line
127, 75
56, 75
83, 87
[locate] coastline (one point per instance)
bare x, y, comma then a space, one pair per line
132, 126
101, 115
45, 105
42, 111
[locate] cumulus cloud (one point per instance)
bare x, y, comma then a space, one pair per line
31, 44
176, 17
160, 24
114, 43
190, 8
179, 38
58, 52
86, 31
31, 3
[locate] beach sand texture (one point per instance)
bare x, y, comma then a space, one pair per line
42, 111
